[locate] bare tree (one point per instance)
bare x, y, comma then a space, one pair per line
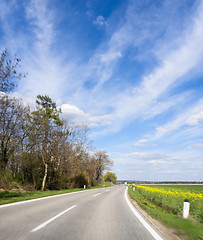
8, 72
99, 161
11, 132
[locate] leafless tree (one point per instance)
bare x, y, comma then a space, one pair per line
8, 72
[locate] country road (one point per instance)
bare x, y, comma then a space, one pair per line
92, 214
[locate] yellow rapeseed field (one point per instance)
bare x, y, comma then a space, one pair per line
171, 198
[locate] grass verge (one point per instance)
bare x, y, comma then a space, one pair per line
17, 196
187, 229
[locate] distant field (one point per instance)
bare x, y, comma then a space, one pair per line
165, 202
185, 188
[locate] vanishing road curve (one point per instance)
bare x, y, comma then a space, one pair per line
98, 214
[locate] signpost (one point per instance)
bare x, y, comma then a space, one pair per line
186, 208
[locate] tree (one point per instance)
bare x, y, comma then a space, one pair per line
44, 121
11, 131
110, 177
101, 162
8, 72
39, 148
12, 114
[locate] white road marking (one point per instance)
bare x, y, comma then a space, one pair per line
96, 194
43, 198
141, 219
52, 219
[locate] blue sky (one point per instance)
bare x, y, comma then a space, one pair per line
131, 70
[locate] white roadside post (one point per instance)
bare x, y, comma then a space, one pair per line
186, 208
84, 186
133, 189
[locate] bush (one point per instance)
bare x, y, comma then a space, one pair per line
80, 181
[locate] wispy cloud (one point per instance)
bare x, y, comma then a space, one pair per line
195, 119
197, 145
190, 116
155, 162
42, 21
147, 165
155, 87
10, 39
48, 73
100, 21
5, 10
141, 142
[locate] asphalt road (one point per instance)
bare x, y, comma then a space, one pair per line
98, 214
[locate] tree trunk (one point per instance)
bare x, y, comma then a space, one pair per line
45, 174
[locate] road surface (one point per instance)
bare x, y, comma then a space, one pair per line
98, 214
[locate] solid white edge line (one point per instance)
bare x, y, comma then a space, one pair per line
42, 198
52, 219
141, 219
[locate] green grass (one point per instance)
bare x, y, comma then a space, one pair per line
189, 229
17, 196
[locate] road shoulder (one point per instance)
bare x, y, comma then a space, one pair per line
168, 233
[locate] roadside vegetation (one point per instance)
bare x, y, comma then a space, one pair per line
39, 150
109, 177
165, 203
17, 196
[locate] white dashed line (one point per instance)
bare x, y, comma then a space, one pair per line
52, 219
96, 194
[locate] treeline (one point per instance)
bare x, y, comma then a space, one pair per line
39, 148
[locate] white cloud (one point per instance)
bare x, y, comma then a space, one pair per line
141, 142
156, 162
197, 145
159, 106
161, 129
196, 119
108, 53
100, 21
5, 9
145, 156
110, 56
170, 171
48, 71
154, 86
144, 97
101, 120
190, 115
74, 114
159, 166
42, 20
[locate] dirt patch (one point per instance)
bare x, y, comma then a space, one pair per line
167, 232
